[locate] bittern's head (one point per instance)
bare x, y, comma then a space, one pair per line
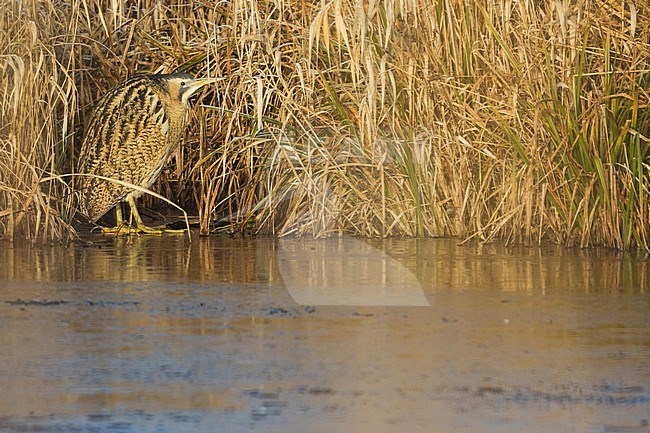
182, 86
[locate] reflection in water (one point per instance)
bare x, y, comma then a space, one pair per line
162, 335
147, 258
438, 264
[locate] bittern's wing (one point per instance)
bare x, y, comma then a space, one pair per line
126, 134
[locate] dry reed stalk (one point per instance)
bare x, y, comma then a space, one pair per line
37, 116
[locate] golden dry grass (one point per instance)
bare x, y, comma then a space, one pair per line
484, 120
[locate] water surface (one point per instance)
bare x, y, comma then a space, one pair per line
154, 334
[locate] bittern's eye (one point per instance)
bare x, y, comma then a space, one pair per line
182, 83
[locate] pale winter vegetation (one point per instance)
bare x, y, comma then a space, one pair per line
514, 120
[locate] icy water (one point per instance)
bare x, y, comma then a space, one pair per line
155, 334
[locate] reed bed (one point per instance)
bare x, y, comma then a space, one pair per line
517, 121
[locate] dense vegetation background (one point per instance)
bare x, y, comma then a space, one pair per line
516, 120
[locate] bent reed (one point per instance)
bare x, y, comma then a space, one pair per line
513, 120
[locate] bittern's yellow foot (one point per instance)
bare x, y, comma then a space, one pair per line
128, 230
174, 231
124, 230
143, 229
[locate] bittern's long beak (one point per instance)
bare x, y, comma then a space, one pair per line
197, 83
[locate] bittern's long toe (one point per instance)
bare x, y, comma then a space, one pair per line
126, 229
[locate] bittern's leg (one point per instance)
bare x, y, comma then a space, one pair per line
139, 225
118, 215
120, 228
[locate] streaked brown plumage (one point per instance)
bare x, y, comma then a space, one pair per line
132, 132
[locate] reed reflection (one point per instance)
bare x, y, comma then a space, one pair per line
436, 264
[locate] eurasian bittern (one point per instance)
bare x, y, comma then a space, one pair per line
132, 132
